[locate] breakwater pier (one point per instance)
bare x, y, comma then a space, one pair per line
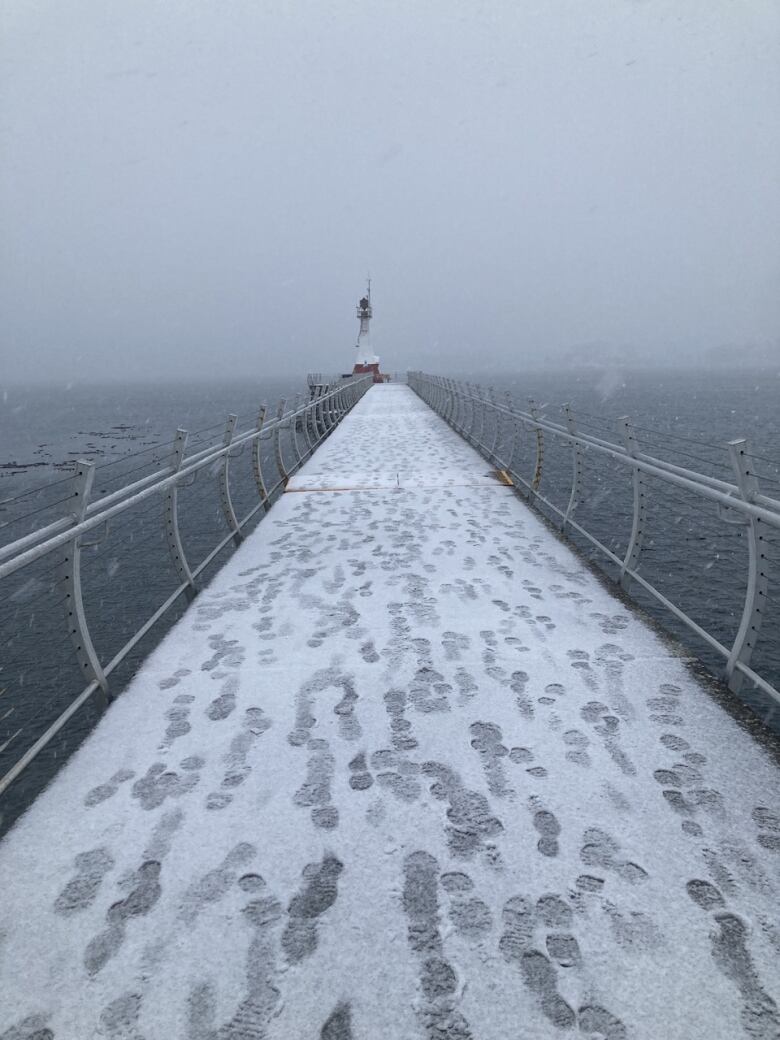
404, 768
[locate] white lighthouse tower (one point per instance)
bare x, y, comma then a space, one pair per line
366, 360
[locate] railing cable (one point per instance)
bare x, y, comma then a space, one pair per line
130, 455
34, 512
37, 490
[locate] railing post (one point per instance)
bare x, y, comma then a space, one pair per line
70, 575
319, 411
576, 476
513, 445
294, 433
326, 412
171, 513
537, 478
473, 418
480, 439
481, 404
315, 433
445, 398
631, 559
758, 580
224, 483
305, 425
334, 414
496, 421
334, 409
458, 414
472, 388
278, 443
257, 461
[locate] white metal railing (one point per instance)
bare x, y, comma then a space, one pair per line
303, 428
471, 410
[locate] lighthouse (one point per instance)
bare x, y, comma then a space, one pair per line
366, 361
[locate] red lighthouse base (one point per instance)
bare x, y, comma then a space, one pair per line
365, 370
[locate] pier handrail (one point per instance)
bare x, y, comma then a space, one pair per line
315, 419
742, 500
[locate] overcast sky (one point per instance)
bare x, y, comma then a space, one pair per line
200, 187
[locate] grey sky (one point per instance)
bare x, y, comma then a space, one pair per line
200, 187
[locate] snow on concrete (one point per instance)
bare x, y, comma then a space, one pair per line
405, 769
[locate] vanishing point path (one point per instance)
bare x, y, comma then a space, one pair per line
405, 769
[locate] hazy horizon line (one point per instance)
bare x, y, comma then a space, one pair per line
585, 368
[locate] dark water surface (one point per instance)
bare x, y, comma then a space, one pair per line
693, 556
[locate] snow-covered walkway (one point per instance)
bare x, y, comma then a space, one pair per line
405, 769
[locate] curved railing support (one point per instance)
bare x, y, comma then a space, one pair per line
496, 422
482, 410
319, 425
306, 428
322, 421
456, 410
758, 580
341, 407
171, 514
257, 461
449, 402
278, 444
294, 420
437, 402
462, 408
576, 476
539, 464
631, 559
331, 412
224, 483
70, 576
473, 417
514, 434
314, 420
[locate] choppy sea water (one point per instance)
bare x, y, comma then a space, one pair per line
690, 552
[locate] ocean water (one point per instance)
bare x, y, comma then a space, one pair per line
690, 552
